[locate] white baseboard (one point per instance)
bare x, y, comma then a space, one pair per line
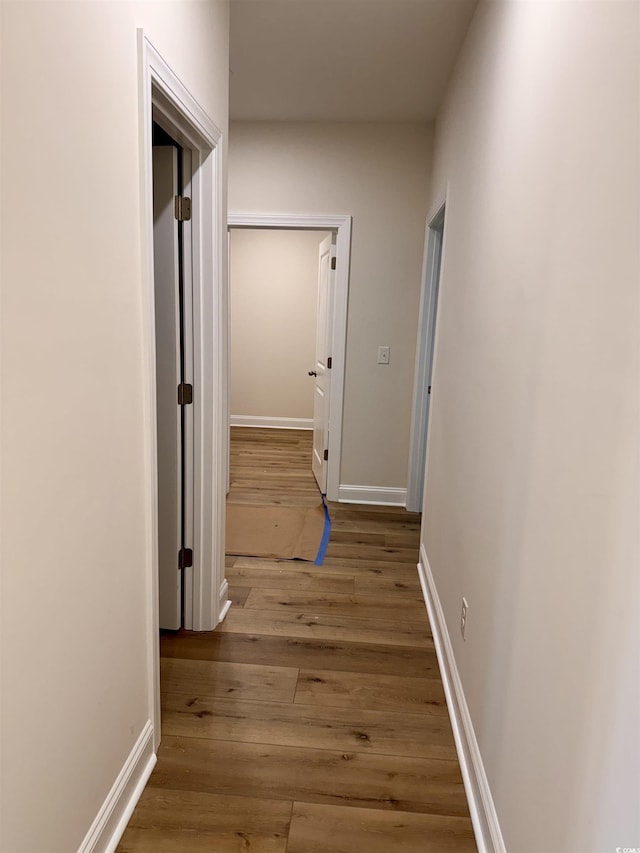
483, 813
225, 604
270, 423
115, 813
372, 495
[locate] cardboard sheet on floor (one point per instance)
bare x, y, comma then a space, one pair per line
274, 531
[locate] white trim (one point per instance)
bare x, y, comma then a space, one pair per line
164, 97
425, 353
381, 495
290, 221
265, 422
341, 224
225, 604
115, 813
481, 806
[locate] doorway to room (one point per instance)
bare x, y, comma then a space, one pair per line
280, 291
425, 352
185, 338
173, 304
311, 356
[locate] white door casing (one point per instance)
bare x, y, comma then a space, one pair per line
165, 99
321, 370
167, 316
425, 352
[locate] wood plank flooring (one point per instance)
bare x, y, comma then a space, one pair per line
313, 720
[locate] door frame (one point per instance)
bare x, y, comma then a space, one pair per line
164, 98
425, 355
341, 224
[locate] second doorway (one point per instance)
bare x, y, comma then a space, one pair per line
282, 288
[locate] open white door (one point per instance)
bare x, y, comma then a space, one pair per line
167, 314
322, 370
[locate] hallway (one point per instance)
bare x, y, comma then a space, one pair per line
313, 720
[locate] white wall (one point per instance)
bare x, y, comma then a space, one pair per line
76, 498
531, 503
273, 278
379, 174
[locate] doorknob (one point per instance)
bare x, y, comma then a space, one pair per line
313, 373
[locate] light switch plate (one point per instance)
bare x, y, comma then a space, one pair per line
383, 355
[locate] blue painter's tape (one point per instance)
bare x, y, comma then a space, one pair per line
326, 533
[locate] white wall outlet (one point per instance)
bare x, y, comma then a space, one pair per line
463, 619
383, 355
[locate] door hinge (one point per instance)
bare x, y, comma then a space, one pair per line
329, 363
185, 394
429, 389
326, 455
183, 208
333, 262
185, 558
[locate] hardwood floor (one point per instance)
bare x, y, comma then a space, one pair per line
313, 720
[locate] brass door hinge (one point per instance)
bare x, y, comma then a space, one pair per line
183, 208
185, 394
185, 558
